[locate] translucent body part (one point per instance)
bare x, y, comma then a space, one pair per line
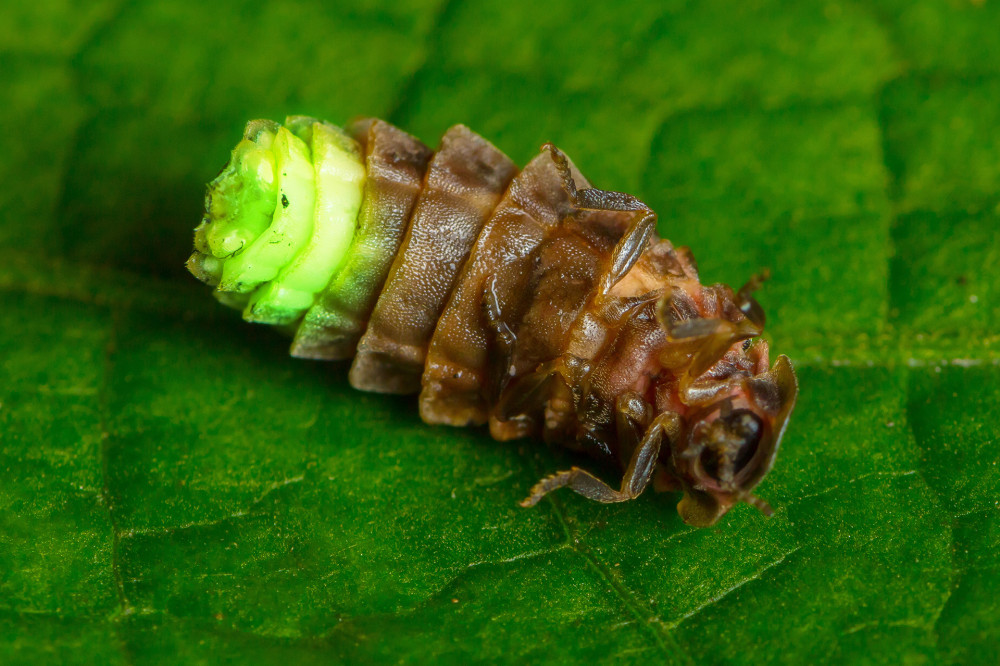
339, 182
239, 202
279, 218
251, 187
291, 225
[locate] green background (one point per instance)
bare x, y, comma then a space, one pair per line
175, 489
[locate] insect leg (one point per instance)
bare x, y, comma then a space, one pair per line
629, 248
637, 475
748, 304
494, 315
526, 393
502, 339
591, 198
631, 245
520, 408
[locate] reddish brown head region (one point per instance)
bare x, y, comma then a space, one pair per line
649, 368
529, 301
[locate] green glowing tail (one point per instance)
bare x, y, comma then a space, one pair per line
279, 218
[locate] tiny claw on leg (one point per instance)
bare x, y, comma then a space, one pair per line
547, 485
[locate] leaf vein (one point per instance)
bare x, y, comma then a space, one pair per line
749, 579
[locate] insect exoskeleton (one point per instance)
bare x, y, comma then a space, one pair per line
520, 298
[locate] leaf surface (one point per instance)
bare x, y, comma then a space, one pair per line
177, 488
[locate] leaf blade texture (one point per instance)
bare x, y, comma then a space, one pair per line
177, 488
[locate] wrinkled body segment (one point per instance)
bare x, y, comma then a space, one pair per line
528, 301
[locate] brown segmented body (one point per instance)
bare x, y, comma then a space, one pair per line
395, 163
463, 183
531, 302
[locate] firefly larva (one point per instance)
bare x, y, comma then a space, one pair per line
522, 299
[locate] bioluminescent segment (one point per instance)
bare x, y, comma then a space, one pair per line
339, 181
279, 218
239, 204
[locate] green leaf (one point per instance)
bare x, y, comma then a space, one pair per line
176, 489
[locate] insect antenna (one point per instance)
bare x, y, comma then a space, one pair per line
758, 504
